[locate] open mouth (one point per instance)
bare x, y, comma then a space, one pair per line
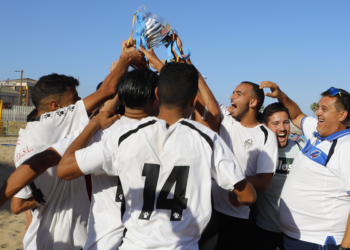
233, 108
282, 137
320, 121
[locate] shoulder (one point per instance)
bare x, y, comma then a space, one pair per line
308, 125
266, 134
195, 127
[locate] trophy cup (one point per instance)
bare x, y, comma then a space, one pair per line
152, 30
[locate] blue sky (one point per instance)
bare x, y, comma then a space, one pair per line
304, 46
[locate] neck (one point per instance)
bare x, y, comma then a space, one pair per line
137, 114
249, 120
170, 116
339, 128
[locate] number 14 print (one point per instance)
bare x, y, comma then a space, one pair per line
179, 174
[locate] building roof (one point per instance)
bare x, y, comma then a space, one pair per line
4, 89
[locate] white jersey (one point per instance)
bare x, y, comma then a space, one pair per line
166, 175
267, 204
315, 201
256, 150
60, 223
103, 231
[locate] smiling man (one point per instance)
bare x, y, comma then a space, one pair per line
315, 201
268, 233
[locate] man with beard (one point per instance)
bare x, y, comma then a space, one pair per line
255, 147
268, 233
315, 201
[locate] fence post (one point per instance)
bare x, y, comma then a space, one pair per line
7, 127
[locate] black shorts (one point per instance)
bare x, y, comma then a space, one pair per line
235, 233
267, 240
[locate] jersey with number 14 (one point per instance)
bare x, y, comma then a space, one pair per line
166, 175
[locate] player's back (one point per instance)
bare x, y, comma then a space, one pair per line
166, 175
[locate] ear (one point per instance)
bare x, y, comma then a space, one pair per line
194, 100
343, 115
54, 105
156, 92
253, 103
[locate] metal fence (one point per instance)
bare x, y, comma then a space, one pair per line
16, 114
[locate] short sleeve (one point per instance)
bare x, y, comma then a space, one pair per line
268, 156
223, 111
308, 126
98, 155
24, 193
225, 169
62, 145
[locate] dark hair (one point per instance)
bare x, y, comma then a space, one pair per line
99, 85
273, 108
32, 115
342, 103
178, 83
136, 88
257, 93
49, 85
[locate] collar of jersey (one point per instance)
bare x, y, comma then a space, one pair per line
333, 136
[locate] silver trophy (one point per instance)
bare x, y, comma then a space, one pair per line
156, 29
151, 29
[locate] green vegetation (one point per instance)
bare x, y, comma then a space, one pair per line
313, 107
13, 128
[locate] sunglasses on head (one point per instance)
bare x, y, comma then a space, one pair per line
334, 91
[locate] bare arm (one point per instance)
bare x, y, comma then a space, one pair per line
245, 193
205, 95
346, 240
28, 172
108, 87
29, 217
19, 205
261, 181
294, 111
68, 168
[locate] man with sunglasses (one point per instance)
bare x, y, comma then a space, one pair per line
315, 200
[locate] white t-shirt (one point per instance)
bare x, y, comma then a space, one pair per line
256, 151
156, 163
315, 201
267, 204
103, 231
60, 223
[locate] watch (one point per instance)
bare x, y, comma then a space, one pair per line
343, 248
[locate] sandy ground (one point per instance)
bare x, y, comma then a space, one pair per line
12, 227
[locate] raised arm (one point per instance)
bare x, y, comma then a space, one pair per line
108, 87
294, 111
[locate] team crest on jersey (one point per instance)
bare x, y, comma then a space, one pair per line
248, 143
315, 154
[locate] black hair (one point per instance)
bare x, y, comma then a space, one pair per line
257, 93
49, 85
136, 88
99, 85
178, 83
273, 108
32, 115
342, 103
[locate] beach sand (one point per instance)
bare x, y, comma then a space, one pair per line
12, 227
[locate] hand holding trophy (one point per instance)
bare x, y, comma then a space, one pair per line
152, 30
